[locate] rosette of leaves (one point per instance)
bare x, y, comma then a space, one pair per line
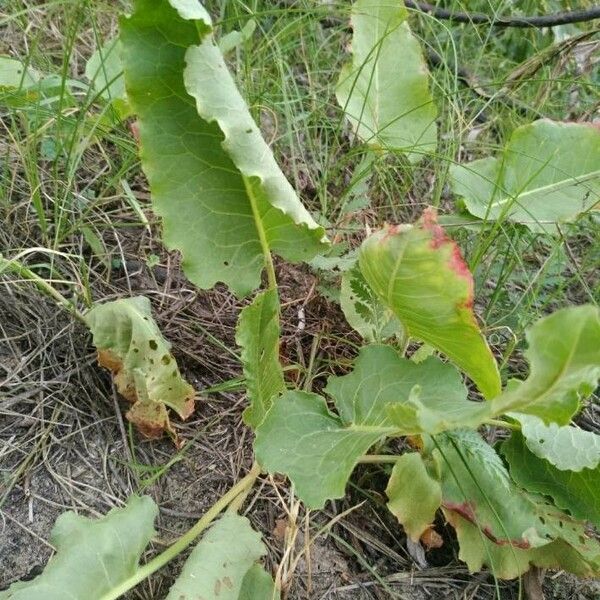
503, 518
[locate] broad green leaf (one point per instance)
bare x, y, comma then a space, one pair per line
318, 450
390, 108
477, 488
419, 273
567, 448
548, 173
363, 310
91, 554
105, 72
219, 564
145, 372
313, 447
15, 75
258, 335
386, 389
214, 182
414, 495
576, 492
564, 358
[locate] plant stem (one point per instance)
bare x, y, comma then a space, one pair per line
187, 538
262, 236
378, 458
24, 273
505, 424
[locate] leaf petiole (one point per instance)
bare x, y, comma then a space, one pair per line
187, 538
379, 458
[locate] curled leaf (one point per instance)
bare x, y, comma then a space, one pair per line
145, 372
419, 273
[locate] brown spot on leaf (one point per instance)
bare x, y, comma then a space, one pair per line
467, 512
228, 583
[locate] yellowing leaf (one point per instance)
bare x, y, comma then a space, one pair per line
390, 108
414, 495
489, 510
145, 372
419, 273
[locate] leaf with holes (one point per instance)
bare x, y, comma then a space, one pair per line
564, 358
223, 200
567, 448
223, 564
419, 273
548, 174
103, 555
258, 335
132, 347
389, 106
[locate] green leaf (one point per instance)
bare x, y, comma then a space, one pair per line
15, 75
363, 311
258, 335
219, 564
390, 108
477, 489
214, 181
91, 554
414, 495
312, 446
105, 71
419, 273
548, 173
576, 492
318, 450
258, 585
145, 372
235, 38
564, 358
567, 448
385, 389
508, 562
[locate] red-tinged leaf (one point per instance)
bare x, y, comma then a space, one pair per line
420, 274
